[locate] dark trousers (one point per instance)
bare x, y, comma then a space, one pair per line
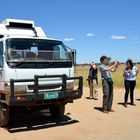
129, 87
107, 95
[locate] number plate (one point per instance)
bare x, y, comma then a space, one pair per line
51, 95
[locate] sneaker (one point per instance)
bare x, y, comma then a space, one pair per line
125, 104
96, 95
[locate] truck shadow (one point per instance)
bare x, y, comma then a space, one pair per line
37, 120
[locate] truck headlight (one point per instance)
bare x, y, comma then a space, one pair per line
18, 89
70, 86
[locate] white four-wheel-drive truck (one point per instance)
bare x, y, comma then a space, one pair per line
35, 71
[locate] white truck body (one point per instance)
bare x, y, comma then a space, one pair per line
34, 70
19, 73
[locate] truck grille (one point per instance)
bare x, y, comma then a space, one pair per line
44, 87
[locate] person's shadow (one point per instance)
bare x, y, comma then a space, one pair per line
37, 120
88, 98
99, 109
121, 103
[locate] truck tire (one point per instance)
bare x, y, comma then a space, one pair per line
4, 115
57, 111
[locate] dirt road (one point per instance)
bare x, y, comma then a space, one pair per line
83, 121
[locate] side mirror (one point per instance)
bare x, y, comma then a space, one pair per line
73, 56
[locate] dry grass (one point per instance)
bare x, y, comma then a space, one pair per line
117, 76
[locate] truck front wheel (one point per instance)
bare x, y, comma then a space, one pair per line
4, 115
57, 111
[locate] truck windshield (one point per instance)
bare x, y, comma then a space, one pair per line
19, 52
31, 50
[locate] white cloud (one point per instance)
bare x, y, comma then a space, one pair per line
69, 39
90, 34
118, 37
136, 42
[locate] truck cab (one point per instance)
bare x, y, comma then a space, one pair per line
35, 71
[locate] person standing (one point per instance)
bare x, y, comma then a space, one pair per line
107, 83
130, 74
93, 81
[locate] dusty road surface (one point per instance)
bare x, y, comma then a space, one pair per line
83, 120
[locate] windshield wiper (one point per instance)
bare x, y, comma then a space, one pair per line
50, 63
13, 64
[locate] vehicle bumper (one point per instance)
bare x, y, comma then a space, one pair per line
38, 97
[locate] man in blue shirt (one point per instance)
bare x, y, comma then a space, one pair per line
93, 81
107, 83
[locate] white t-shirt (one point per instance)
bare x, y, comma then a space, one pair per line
130, 74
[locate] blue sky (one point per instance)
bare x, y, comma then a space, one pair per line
92, 27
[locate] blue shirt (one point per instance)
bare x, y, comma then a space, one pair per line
104, 73
93, 73
130, 74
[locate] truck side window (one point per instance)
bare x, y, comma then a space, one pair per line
1, 54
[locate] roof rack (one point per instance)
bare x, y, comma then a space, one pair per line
24, 25
18, 23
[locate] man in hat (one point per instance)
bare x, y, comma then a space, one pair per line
93, 81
